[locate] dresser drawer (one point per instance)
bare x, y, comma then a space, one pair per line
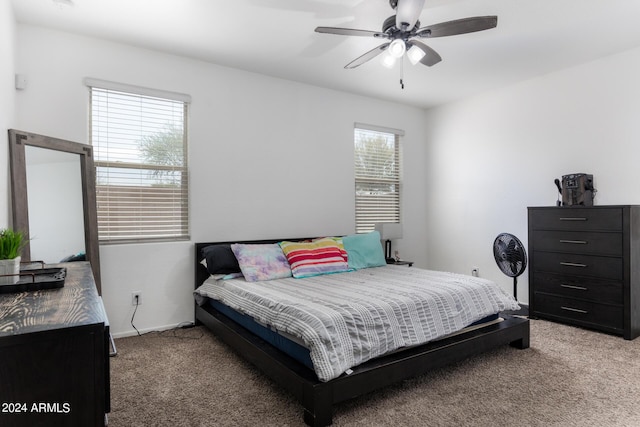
579, 287
579, 265
578, 219
581, 242
585, 312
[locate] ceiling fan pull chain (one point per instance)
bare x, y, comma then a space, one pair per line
402, 73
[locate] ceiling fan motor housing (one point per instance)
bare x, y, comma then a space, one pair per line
389, 24
389, 28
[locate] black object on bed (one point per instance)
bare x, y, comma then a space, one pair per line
318, 397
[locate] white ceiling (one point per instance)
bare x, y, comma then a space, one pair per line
276, 37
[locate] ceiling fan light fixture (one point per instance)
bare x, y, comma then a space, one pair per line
397, 48
402, 32
415, 54
388, 60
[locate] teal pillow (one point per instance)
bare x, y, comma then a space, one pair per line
364, 250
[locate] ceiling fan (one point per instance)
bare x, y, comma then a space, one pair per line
403, 29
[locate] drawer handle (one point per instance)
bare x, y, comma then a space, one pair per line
576, 310
574, 242
573, 219
580, 288
573, 264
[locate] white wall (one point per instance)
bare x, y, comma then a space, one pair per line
269, 158
7, 96
273, 158
496, 154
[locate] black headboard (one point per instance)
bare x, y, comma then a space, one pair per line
201, 273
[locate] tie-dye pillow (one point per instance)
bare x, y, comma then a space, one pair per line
261, 261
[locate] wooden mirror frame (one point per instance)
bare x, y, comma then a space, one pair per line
18, 140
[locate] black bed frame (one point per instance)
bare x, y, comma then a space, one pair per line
318, 397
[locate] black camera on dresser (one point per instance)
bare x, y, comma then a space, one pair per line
584, 267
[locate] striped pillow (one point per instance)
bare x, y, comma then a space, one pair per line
322, 256
340, 245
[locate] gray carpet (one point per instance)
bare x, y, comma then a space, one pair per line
569, 377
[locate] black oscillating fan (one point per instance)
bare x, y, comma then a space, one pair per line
511, 257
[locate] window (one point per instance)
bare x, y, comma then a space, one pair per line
140, 153
377, 171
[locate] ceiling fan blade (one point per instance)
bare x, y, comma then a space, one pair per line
349, 32
459, 26
407, 13
367, 56
431, 57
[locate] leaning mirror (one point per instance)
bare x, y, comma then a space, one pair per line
54, 199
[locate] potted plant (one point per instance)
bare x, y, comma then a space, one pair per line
11, 243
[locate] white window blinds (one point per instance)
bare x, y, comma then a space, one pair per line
140, 150
377, 173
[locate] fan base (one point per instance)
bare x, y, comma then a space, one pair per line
524, 311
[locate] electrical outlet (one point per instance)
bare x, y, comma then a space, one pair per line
136, 298
475, 271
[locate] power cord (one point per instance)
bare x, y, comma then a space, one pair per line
182, 332
134, 314
183, 325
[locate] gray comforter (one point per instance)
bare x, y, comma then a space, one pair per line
348, 318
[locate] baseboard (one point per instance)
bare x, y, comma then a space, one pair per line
133, 333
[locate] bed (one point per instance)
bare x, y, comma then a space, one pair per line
290, 362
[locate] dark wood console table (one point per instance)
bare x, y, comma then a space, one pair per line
54, 354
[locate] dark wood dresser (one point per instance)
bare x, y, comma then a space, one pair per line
54, 354
584, 267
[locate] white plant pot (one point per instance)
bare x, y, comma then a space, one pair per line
9, 266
